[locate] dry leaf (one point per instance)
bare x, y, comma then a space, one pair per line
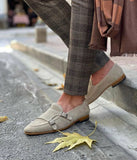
64, 75
52, 84
73, 139
36, 69
61, 87
2, 119
49, 83
1, 100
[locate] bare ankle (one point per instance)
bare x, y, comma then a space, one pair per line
69, 102
99, 75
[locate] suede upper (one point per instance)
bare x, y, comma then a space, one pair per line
55, 119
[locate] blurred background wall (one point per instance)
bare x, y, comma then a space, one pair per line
16, 13
3, 13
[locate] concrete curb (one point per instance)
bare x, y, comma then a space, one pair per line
124, 95
52, 60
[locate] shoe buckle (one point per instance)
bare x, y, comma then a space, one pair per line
65, 115
53, 124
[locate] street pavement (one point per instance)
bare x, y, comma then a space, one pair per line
24, 97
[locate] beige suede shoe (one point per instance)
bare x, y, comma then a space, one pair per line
55, 119
113, 78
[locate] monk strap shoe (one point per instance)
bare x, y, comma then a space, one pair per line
55, 119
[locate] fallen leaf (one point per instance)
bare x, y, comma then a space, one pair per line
36, 69
52, 84
49, 83
1, 100
72, 140
4, 118
64, 75
61, 87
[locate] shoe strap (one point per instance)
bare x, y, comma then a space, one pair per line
52, 122
66, 115
49, 114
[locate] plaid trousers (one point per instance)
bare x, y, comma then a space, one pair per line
73, 25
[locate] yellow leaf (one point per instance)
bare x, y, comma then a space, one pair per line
64, 144
36, 69
2, 119
64, 75
71, 140
52, 84
61, 87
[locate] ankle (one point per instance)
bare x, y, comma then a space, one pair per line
99, 75
68, 102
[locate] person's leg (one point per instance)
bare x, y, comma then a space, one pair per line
56, 14
82, 61
99, 75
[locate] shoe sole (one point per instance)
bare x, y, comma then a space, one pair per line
53, 131
119, 81
113, 85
